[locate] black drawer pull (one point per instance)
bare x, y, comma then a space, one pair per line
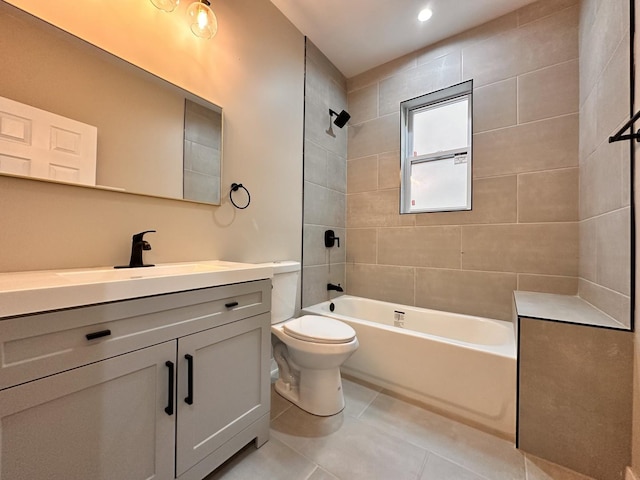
169, 408
231, 304
101, 333
189, 398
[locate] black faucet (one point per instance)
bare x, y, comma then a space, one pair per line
138, 244
337, 288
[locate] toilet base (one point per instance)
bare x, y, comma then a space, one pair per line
318, 392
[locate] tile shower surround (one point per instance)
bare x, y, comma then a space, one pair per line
605, 212
524, 230
325, 177
378, 436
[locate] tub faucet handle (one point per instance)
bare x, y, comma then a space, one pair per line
330, 239
337, 288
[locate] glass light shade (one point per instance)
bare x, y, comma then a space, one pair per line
166, 5
202, 19
425, 15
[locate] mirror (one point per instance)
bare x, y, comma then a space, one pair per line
153, 138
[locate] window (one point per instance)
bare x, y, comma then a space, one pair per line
435, 149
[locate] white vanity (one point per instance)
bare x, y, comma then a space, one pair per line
148, 373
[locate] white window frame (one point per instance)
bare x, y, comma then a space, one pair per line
407, 109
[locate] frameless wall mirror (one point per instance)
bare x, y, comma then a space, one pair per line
435, 145
153, 138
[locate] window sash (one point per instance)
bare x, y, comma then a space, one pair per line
430, 101
447, 200
436, 106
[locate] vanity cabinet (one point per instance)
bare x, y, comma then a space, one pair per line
102, 421
229, 390
179, 385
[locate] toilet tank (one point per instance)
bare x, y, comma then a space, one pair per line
285, 290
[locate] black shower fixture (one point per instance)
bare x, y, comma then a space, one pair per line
341, 118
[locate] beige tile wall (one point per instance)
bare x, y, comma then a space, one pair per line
325, 178
605, 265
523, 230
569, 377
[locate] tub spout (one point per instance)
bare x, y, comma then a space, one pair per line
337, 288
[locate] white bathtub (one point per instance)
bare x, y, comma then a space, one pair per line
459, 365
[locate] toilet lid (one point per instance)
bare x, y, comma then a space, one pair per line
315, 328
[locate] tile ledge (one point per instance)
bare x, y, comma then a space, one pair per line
562, 308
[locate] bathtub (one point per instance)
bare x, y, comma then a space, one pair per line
461, 366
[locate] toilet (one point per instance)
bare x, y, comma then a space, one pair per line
308, 350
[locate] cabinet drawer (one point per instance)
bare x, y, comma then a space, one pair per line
35, 346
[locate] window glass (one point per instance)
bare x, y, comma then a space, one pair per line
440, 127
439, 184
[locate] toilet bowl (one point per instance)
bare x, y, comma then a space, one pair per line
308, 350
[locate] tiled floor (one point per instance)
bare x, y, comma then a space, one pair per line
381, 437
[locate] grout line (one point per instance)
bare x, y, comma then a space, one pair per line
454, 462
377, 243
605, 213
544, 17
427, 456
368, 404
280, 414
517, 103
503, 224
517, 196
415, 294
386, 152
603, 287
570, 114
377, 98
505, 272
310, 460
312, 472
460, 249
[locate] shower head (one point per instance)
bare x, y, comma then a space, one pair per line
341, 118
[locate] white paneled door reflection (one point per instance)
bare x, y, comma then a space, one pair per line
40, 144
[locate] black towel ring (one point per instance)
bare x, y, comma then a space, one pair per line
234, 188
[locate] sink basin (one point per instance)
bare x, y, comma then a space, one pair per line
113, 274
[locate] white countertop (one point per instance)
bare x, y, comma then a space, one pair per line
38, 291
562, 308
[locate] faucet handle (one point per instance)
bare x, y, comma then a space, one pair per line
330, 239
138, 236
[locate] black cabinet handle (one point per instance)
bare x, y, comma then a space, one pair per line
231, 304
189, 398
169, 408
101, 333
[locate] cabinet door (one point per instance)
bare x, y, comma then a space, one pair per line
103, 421
230, 386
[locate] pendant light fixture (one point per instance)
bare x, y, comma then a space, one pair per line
202, 19
166, 5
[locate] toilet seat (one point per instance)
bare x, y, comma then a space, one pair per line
318, 329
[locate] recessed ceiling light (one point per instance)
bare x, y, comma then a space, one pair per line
425, 14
